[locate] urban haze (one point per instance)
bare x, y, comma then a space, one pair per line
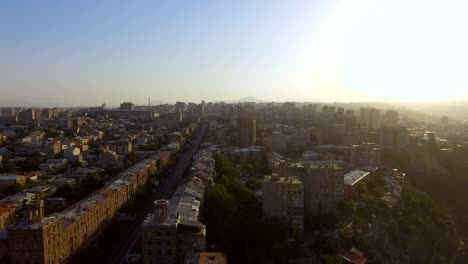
215, 132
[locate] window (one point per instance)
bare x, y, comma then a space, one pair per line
150, 243
168, 242
158, 243
158, 233
150, 252
169, 252
168, 233
159, 252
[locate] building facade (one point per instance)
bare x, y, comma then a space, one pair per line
323, 189
283, 199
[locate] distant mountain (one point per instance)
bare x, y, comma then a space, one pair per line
158, 103
248, 99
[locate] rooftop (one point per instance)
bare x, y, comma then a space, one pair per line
282, 179
76, 211
8, 177
354, 176
39, 225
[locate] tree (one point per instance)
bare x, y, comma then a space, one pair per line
130, 159
254, 184
12, 189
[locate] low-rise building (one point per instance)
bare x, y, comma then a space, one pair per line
351, 179
121, 147
9, 179
42, 192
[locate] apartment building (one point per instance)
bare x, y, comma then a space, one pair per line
53, 239
283, 199
173, 233
323, 189
121, 147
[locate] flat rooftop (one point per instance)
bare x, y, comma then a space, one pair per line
283, 179
353, 177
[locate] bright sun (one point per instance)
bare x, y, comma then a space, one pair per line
409, 50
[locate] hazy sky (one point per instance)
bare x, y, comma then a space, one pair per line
93, 52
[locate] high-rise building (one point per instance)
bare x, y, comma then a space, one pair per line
180, 106
349, 113
127, 106
325, 109
289, 106
27, 115
247, 128
444, 120
393, 136
310, 109
391, 118
365, 154
373, 118
8, 112
283, 199
323, 189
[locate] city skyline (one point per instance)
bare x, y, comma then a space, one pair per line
109, 52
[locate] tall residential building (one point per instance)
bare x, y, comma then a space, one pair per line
27, 115
289, 106
393, 136
325, 109
8, 112
323, 189
180, 106
373, 118
444, 120
247, 128
310, 109
365, 154
363, 114
283, 199
127, 106
391, 118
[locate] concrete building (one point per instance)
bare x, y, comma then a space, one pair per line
52, 239
393, 136
121, 147
351, 179
365, 154
127, 106
391, 118
172, 233
283, 199
9, 179
310, 109
373, 118
247, 130
444, 120
28, 115
323, 189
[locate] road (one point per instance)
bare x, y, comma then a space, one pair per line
166, 187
